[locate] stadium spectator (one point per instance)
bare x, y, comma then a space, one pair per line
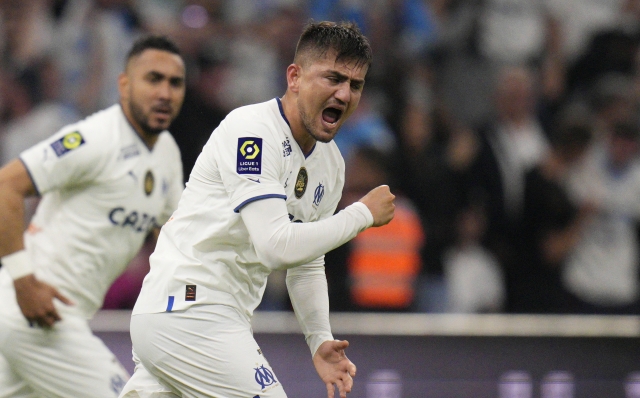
552, 224
378, 270
106, 182
473, 277
602, 270
434, 151
91, 43
510, 145
261, 196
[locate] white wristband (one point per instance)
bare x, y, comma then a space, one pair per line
18, 264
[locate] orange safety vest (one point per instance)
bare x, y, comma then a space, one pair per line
384, 262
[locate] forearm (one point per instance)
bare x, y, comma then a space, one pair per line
11, 220
281, 244
307, 286
15, 185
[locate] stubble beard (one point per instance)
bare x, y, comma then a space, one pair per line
143, 120
307, 122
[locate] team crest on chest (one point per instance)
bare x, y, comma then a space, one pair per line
301, 182
318, 194
148, 183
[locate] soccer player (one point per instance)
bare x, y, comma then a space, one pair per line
106, 182
261, 196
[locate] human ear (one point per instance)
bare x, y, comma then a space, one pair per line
293, 77
123, 86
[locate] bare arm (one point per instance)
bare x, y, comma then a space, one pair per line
15, 185
34, 297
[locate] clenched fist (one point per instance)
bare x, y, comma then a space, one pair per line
380, 203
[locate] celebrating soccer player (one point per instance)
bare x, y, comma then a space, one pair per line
261, 196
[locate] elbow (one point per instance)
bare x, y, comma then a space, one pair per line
275, 258
272, 260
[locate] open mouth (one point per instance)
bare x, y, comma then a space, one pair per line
162, 112
331, 115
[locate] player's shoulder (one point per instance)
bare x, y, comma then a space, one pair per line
261, 108
262, 116
82, 135
99, 127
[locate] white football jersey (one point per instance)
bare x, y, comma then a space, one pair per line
102, 191
204, 254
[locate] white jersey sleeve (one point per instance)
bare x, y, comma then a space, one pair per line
309, 294
68, 159
281, 244
250, 163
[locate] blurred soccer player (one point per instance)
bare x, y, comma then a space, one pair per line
106, 182
261, 196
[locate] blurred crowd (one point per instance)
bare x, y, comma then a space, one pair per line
508, 129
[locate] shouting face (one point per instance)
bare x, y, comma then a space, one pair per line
328, 91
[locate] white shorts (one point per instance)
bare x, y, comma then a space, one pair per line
205, 351
65, 361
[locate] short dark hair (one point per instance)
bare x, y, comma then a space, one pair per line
343, 37
154, 42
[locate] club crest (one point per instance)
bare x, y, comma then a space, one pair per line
148, 183
301, 182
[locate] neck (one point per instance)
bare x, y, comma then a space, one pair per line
148, 139
298, 130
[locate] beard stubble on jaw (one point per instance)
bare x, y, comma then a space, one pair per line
307, 122
143, 120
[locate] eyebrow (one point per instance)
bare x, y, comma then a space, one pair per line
156, 74
344, 77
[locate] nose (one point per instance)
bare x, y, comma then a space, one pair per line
164, 90
343, 93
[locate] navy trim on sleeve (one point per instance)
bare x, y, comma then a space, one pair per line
246, 202
170, 303
30, 176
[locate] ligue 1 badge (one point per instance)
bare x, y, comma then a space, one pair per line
68, 143
148, 183
301, 183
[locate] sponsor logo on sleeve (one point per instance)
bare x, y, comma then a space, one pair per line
249, 155
67, 143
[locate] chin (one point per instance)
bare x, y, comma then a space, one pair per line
323, 136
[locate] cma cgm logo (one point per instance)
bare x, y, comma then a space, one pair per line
139, 222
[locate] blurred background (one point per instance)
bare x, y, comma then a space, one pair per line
508, 129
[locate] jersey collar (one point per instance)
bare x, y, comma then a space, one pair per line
289, 124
